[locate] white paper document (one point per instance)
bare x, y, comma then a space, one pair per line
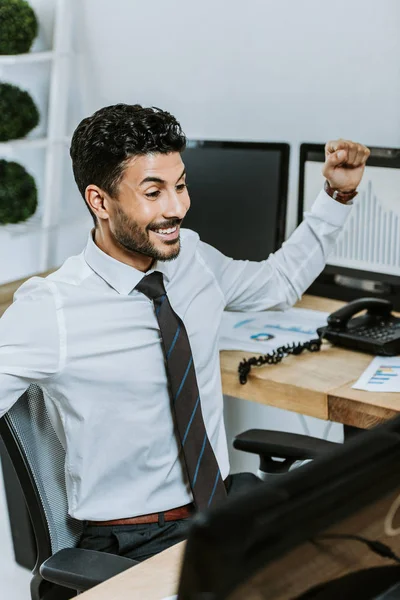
382, 375
263, 332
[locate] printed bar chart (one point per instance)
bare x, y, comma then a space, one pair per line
383, 374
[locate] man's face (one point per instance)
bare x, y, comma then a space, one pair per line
152, 200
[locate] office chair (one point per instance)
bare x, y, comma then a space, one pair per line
62, 570
281, 452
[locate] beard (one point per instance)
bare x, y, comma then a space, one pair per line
133, 238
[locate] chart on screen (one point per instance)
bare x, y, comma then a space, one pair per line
370, 239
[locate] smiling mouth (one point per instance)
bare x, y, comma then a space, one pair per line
168, 233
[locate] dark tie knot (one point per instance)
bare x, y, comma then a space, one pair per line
152, 285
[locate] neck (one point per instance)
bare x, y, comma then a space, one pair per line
109, 246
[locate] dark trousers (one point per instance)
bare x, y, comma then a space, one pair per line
140, 542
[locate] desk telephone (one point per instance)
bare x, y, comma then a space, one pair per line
376, 332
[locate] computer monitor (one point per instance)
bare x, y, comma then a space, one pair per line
238, 194
366, 259
312, 534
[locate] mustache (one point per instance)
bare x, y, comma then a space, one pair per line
165, 224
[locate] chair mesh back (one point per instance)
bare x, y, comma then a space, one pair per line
46, 458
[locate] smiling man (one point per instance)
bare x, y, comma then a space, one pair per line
123, 338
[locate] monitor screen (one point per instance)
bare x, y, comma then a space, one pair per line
368, 248
313, 534
238, 193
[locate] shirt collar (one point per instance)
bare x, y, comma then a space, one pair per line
120, 276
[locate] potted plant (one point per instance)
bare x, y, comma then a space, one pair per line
18, 113
18, 193
18, 26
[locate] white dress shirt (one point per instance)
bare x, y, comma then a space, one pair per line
92, 342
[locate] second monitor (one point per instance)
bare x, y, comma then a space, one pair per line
238, 193
366, 257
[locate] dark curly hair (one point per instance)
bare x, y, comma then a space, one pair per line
103, 144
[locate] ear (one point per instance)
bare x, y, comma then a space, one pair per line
98, 201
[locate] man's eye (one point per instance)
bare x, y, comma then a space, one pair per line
181, 187
153, 194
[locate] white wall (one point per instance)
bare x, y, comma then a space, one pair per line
287, 70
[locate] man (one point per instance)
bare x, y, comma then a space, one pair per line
123, 339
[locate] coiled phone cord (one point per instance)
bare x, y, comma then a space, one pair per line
275, 357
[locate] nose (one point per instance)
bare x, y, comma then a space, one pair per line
176, 205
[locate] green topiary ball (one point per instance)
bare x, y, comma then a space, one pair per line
18, 26
18, 113
18, 193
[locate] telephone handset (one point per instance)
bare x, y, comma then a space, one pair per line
376, 332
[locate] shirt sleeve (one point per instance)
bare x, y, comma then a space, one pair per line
29, 341
278, 282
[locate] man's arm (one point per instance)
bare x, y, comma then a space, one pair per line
29, 341
279, 281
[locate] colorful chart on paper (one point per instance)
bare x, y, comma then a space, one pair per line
382, 375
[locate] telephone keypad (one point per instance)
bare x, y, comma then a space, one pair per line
384, 332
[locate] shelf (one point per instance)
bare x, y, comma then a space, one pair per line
33, 143
34, 225
30, 226
24, 143
29, 57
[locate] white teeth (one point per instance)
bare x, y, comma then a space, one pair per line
166, 231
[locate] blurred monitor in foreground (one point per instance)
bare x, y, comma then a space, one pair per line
317, 533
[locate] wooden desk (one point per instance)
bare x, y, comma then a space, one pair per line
317, 384
154, 579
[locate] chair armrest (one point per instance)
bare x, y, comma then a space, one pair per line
81, 569
281, 445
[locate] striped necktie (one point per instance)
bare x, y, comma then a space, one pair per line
201, 465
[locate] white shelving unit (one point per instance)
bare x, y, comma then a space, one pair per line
53, 144
24, 143
30, 57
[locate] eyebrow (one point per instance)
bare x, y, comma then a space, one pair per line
159, 180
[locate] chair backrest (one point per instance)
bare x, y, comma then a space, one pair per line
39, 458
